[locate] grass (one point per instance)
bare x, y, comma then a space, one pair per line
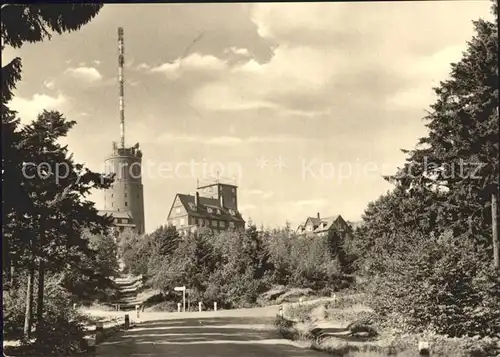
349, 313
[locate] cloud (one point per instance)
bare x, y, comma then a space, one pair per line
225, 140
308, 203
333, 54
49, 84
29, 109
237, 51
247, 207
195, 62
261, 193
143, 66
87, 74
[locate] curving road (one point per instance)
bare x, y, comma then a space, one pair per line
209, 334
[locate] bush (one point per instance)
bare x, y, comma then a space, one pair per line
444, 285
14, 304
63, 329
167, 306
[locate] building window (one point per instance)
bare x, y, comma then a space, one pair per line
223, 224
233, 199
126, 204
182, 221
218, 211
214, 223
112, 195
124, 220
231, 224
232, 212
125, 194
112, 204
178, 210
210, 210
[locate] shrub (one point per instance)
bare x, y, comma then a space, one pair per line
63, 329
168, 306
444, 285
301, 313
14, 302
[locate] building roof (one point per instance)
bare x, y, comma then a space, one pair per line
326, 224
205, 204
320, 224
116, 214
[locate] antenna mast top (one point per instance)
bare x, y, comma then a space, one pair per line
121, 60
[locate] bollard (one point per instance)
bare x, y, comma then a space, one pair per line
142, 308
126, 325
424, 348
74, 306
91, 344
281, 311
199, 306
215, 306
137, 310
99, 331
178, 307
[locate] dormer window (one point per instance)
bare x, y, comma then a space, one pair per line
210, 210
232, 212
192, 206
218, 211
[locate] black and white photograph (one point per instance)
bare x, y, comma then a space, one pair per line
288, 179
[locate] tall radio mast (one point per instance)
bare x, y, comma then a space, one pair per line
121, 60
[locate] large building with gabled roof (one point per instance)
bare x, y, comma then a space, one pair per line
213, 206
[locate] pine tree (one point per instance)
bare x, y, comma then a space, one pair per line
459, 157
58, 213
20, 24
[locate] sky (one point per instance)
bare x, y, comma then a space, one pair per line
304, 105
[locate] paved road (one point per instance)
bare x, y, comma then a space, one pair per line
215, 336
223, 333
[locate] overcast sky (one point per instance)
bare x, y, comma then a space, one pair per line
287, 98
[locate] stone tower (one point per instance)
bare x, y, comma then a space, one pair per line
126, 196
124, 200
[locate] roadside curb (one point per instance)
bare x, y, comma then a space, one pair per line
92, 340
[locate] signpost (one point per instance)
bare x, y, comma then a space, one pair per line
183, 289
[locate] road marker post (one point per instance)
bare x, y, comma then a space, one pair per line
99, 331
281, 311
126, 325
199, 306
215, 306
424, 348
178, 307
137, 309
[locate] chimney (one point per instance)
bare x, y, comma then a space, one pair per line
318, 216
196, 198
